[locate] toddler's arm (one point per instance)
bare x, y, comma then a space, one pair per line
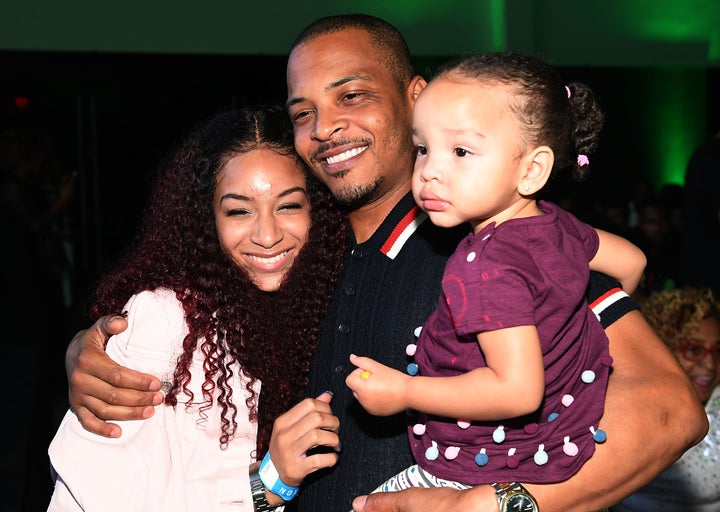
511, 385
620, 259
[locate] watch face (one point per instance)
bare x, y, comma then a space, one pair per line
519, 503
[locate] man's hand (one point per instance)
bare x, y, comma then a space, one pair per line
99, 388
481, 498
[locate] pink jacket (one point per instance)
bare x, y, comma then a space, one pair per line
173, 461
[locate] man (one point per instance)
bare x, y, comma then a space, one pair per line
351, 89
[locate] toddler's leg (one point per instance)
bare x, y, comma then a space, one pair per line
415, 476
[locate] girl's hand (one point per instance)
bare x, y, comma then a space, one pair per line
380, 389
308, 425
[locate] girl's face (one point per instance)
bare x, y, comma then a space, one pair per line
469, 153
700, 357
262, 214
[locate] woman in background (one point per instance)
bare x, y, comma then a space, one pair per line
688, 321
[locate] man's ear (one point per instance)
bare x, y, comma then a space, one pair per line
417, 84
538, 166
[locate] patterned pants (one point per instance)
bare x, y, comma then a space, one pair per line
415, 476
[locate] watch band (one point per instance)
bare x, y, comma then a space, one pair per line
257, 489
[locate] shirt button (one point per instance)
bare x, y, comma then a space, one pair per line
343, 328
340, 369
356, 253
350, 290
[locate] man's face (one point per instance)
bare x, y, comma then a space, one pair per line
351, 122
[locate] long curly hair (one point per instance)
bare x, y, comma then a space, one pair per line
269, 335
675, 315
564, 116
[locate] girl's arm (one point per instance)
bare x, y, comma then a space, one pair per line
619, 259
511, 385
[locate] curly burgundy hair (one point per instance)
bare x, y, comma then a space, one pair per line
270, 335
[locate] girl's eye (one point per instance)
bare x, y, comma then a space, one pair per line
421, 150
290, 206
460, 152
237, 212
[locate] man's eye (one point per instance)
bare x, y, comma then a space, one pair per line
300, 115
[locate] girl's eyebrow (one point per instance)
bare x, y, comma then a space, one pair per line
292, 190
240, 197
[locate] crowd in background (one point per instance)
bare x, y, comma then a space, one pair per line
676, 225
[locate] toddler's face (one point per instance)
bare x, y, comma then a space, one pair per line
469, 152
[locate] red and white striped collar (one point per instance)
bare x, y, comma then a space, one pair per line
403, 231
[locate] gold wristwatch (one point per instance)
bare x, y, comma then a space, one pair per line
513, 497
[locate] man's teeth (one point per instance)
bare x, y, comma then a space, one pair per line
274, 259
345, 155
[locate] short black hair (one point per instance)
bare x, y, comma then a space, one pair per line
391, 47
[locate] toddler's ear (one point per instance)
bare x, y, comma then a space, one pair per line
537, 170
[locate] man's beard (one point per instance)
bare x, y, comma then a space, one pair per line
353, 197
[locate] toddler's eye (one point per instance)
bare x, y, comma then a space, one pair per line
420, 150
460, 152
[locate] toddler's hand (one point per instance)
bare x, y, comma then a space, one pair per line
380, 389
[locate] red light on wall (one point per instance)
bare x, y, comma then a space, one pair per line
21, 102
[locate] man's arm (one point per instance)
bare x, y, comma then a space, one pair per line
652, 416
99, 388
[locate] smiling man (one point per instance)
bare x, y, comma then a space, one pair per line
351, 91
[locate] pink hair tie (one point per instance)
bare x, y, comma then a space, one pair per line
583, 160
568, 91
